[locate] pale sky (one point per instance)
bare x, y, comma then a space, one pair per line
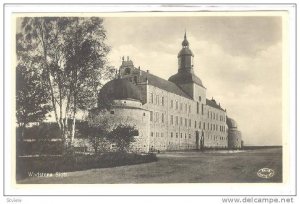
238, 60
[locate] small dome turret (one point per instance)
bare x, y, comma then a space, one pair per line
231, 123
118, 89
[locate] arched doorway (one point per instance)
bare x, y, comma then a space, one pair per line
202, 141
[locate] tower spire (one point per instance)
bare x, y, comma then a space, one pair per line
185, 42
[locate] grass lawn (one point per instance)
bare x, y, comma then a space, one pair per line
182, 167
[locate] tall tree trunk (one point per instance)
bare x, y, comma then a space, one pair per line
75, 105
66, 122
42, 38
62, 126
74, 119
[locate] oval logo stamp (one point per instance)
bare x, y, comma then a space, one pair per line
265, 173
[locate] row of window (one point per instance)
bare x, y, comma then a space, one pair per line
180, 121
175, 120
176, 135
156, 118
180, 106
188, 122
157, 134
215, 116
158, 100
184, 107
215, 137
181, 135
198, 108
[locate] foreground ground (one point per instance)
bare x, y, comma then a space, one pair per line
181, 167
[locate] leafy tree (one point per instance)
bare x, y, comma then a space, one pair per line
96, 137
122, 136
96, 133
72, 53
31, 99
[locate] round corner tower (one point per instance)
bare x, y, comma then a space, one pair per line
119, 103
234, 135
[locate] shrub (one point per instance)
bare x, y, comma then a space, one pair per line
72, 162
122, 136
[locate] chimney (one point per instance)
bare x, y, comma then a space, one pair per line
147, 71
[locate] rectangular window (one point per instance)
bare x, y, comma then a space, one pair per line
151, 134
189, 108
202, 109
151, 98
176, 120
171, 103
190, 122
180, 106
176, 134
200, 125
151, 116
162, 101
157, 100
156, 117
162, 118
171, 120
171, 134
185, 122
185, 107
197, 107
195, 124
176, 105
203, 125
180, 120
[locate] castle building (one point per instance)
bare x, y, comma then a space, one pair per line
171, 114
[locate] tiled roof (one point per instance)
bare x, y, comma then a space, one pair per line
119, 89
212, 103
164, 84
185, 77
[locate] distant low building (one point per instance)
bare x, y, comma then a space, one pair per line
169, 114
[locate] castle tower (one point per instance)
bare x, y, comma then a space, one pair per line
185, 77
234, 135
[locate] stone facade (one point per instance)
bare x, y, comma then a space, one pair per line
234, 139
173, 114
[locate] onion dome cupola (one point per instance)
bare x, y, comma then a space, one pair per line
118, 89
185, 57
185, 72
